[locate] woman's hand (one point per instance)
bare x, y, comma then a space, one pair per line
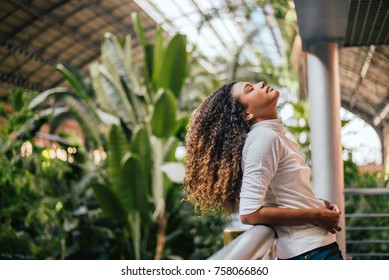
328, 219
332, 206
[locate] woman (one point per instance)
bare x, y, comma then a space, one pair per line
239, 157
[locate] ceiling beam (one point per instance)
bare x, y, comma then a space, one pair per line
27, 50
54, 22
33, 36
33, 19
18, 81
362, 74
382, 111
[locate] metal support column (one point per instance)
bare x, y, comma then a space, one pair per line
385, 146
324, 98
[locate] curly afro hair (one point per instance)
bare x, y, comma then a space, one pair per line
214, 143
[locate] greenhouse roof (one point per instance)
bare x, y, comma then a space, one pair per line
37, 34
362, 28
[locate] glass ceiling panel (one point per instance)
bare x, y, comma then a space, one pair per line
218, 28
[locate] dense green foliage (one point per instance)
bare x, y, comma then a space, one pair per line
127, 206
44, 200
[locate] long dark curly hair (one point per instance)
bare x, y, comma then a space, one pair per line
214, 143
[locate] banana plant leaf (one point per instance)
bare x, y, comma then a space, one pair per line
141, 146
113, 58
158, 57
44, 96
133, 188
171, 75
131, 66
109, 202
145, 45
118, 146
74, 80
163, 122
116, 94
101, 96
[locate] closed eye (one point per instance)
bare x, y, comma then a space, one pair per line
248, 88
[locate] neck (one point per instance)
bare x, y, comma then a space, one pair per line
271, 117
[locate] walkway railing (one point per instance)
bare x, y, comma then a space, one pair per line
256, 243
375, 242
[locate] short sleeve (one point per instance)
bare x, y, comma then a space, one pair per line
260, 159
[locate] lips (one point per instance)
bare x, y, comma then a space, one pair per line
269, 89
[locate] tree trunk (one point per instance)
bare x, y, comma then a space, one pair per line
161, 237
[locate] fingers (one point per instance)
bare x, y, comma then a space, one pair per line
335, 208
335, 222
332, 206
335, 229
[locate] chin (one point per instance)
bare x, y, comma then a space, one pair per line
275, 93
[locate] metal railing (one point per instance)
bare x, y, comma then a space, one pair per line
255, 243
258, 242
356, 249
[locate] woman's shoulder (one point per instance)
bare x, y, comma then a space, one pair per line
261, 133
262, 136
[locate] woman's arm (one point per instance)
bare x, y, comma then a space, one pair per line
323, 217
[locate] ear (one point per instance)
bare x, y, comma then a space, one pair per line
248, 116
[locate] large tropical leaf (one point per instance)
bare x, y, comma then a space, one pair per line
141, 146
172, 74
74, 79
158, 57
131, 66
102, 97
163, 121
133, 193
116, 94
42, 97
145, 45
133, 188
109, 202
113, 58
107, 118
118, 146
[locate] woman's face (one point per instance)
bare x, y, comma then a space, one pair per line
259, 99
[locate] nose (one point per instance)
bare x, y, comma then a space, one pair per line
261, 84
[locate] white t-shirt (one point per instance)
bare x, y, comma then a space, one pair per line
275, 174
